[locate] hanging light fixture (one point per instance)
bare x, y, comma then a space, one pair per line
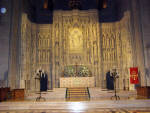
45, 6
104, 3
3, 10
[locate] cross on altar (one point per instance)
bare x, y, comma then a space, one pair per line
76, 69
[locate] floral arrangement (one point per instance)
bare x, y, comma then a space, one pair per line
83, 71
69, 71
76, 71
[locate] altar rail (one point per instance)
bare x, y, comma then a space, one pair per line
69, 82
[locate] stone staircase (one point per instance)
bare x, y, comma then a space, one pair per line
77, 94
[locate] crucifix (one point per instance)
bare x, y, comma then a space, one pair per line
76, 69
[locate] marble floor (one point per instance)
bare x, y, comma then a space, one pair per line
105, 106
100, 102
58, 94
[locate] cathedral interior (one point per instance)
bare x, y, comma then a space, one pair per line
74, 43
53, 35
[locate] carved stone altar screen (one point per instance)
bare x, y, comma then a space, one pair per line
75, 37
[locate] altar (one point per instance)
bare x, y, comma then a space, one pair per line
68, 82
77, 76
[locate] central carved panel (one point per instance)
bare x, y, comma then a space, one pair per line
75, 40
77, 36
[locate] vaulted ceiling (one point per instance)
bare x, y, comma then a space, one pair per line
41, 11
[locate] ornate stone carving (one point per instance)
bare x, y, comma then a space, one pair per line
75, 37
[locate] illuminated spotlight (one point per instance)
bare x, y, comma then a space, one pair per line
77, 107
3, 10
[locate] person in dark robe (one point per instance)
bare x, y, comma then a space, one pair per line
43, 82
109, 81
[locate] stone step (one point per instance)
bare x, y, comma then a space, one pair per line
77, 93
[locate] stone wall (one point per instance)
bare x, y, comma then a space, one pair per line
145, 24
140, 32
4, 41
76, 38
14, 52
117, 49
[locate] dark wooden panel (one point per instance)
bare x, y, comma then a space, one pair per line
4, 93
18, 94
143, 91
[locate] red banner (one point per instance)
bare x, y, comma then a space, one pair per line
134, 75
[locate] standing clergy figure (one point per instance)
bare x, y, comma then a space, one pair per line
109, 81
43, 82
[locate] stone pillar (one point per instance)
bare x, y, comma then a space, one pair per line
137, 40
145, 17
14, 78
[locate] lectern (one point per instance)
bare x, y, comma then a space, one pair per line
39, 78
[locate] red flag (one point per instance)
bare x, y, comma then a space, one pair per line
134, 75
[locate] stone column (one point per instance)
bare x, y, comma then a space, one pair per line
137, 40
